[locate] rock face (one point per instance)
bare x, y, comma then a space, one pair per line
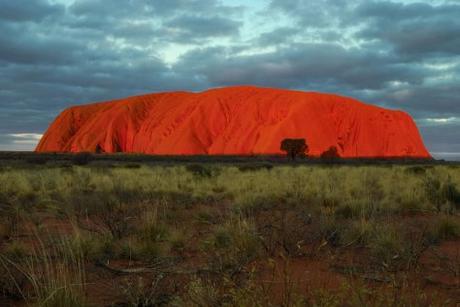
234, 120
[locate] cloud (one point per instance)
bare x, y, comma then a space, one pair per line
19, 141
444, 137
314, 14
25, 138
413, 29
33, 10
392, 53
278, 36
441, 120
188, 26
300, 66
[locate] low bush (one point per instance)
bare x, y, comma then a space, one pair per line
82, 158
255, 167
200, 171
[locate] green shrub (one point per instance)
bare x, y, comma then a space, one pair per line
232, 245
450, 193
15, 250
201, 171
38, 160
346, 211
141, 292
139, 250
415, 170
152, 229
82, 158
132, 165
359, 233
202, 293
93, 247
251, 167
331, 230
386, 245
177, 241
446, 229
206, 217
393, 248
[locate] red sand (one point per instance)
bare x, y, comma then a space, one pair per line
235, 120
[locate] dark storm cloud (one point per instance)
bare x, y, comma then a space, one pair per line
404, 56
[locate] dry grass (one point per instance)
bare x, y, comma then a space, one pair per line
206, 229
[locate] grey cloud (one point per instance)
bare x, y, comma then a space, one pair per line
315, 14
278, 36
122, 9
18, 141
444, 138
177, 21
24, 45
109, 9
426, 100
201, 26
31, 10
401, 11
302, 65
194, 6
413, 29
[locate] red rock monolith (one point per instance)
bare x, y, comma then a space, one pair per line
240, 120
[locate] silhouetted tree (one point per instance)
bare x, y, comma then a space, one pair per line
294, 147
99, 149
331, 153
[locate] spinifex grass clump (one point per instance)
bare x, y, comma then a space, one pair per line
232, 245
49, 275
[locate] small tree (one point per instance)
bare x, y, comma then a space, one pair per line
331, 153
294, 147
99, 149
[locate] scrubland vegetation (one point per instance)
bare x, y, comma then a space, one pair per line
220, 235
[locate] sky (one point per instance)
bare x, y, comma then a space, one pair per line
397, 54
